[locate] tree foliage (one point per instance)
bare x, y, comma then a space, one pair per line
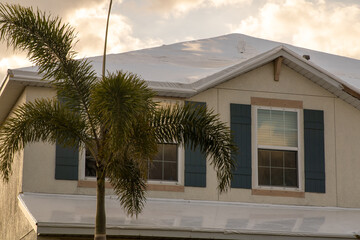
116, 118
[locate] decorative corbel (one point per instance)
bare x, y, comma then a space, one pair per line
277, 68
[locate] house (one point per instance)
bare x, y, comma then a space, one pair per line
295, 116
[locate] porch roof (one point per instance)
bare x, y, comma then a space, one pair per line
53, 214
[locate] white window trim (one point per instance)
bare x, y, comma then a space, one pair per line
181, 155
180, 181
82, 166
300, 154
181, 161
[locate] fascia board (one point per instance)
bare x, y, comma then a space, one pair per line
188, 90
313, 68
25, 75
82, 229
237, 70
27, 213
12, 87
4, 83
265, 58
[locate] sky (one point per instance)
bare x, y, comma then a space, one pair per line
331, 26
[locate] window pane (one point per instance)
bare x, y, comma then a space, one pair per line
170, 152
264, 158
277, 168
155, 170
291, 177
291, 138
277, 128
291, 129
277, 159
264, 127
159, 155
277, 177
290, 120
277, 135
170, 171
90, 165
264, 176
165, 164
290, 159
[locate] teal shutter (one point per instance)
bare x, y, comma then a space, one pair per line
240, 124
314, 151
195, 163
67, 161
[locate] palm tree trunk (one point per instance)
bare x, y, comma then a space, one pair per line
100, 221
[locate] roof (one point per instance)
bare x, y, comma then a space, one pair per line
75, 214
187, 68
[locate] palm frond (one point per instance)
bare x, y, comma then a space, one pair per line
129, 183
42, 120
49, 44
119, 101
198, 127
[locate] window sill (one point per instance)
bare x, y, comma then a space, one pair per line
91, 184
166, 188
277, 193
149, 187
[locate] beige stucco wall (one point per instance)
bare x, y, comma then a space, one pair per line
347, 154
39, 161
260, 83
292, 86
13, 224
341, 120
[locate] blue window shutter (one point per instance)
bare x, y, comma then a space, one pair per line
67, 162
240, 124
314, 151
195, 163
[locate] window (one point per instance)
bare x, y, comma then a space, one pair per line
277, 147
90, 165
164, 166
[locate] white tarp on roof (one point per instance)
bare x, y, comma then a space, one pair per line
188, 62
174, 218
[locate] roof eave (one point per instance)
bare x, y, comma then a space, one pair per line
12, 87
318, 75
56, 229
322, 77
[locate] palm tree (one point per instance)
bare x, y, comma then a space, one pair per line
115, 118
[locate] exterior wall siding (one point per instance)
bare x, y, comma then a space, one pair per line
13, 224
340, 119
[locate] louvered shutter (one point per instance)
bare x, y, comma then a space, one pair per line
240, 124
195, 163
67, 162
314, 151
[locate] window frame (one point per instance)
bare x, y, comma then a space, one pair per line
299, 149
82, 165
180, 156
180, 172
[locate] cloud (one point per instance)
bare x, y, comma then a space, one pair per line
60, 8
325, 26
91, 23
177, 8
11, 62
